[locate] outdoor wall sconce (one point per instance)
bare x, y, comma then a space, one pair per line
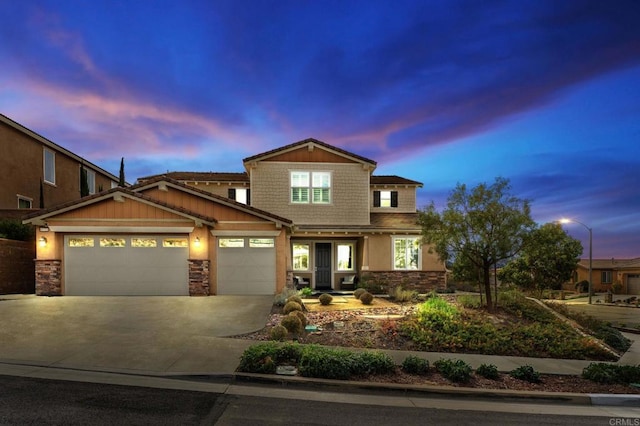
196, 242
42, 241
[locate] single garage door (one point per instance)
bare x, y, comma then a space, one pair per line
139, 265
633, 284
246, 265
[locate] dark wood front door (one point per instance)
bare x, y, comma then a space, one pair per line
323, 265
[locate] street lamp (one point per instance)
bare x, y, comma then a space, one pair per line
565, 220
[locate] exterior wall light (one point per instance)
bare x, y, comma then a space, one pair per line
196, 242
42, 241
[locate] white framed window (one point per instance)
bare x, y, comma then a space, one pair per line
300, 257
144, 242
241, 195
231, 242
91, 181
299, 187
406, 253
81, 242
24, 202
385, 198
261, 242
49, 161
175, 242
321, 187
344, 254
312, 187
606, 277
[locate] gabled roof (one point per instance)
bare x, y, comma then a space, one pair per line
611, 263
39, 217
160, 180
309, 142
393, 180
200, 177
55, 147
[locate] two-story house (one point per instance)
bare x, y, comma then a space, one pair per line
307, 212
35, 172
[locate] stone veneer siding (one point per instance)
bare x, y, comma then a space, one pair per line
48, 277
421, 281
199, 274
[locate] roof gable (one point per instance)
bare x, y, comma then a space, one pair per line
310, 150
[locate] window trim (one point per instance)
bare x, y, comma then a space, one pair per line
393, 253
45, 150
27, 199
306, 184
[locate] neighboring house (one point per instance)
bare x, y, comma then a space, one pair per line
307, 212
606, 272
29, 162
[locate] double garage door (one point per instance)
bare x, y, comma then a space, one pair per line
143, 265
136, 265
633, 284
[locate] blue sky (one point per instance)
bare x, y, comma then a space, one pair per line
544, 93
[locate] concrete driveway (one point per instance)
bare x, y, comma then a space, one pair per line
151, 335
628, 316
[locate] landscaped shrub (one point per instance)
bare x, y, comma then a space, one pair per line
365, 363
455, 370
325, 299
281, 298
13, 229
488, 371
366, 298
400, 295
469, 301
415, 365
322, 362
295, 298
359, 292
305, 292
279, 332
264, 357
612, 373
292, 323
290, 307
303, 318
527, 373
613, 338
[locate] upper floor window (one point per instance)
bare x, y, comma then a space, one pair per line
241, 195
406, 253
49, 166
24, 202
91, 180
312, 187
607, 277
385, 198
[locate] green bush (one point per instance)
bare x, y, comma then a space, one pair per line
292, 323
400, 295
527, 373
325, 299
279, 333
365, 363
613, 338
415, 365
301, 316
612, 373
13, 229
326, 363
366, 298
281, 298
305, 292
295, 298
488, 371
264, 357
469, 301
290, 307
455, 370
359, 292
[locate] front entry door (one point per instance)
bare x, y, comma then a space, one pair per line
323, 266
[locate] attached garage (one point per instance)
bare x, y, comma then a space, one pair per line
126, 265
246, 265
633, 284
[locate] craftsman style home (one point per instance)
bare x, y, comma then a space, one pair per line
308, 214
35, 172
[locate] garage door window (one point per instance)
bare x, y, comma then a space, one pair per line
174, 242
80, 242
261, 242
144, 242
112, 242
231, 242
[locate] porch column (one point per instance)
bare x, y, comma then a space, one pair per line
48, 277
365, 254
289, 280
199, 277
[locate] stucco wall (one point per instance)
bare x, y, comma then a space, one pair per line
17, 268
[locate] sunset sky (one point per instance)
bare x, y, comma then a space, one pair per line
544, 93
